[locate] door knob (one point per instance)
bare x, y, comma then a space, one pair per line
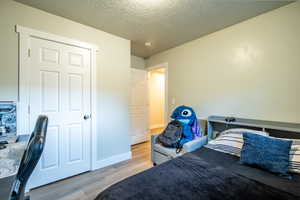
86, 117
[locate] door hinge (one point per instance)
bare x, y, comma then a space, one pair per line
29, 52
29, 109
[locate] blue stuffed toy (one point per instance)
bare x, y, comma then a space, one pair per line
188, 119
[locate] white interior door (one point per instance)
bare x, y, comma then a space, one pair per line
60, 89
139, 106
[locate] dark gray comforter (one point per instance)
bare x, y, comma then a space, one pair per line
205, 175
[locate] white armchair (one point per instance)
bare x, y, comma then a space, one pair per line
160, 154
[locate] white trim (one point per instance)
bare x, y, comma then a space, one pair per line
166, 67
94, 139
159, 66
23, 93
24, 63
52, 37
113, 160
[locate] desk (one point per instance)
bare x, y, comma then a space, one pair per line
10, 159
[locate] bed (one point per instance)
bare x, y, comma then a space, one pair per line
205, 174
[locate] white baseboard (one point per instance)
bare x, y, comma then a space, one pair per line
156, 126
139, 139
100, 164
112, 160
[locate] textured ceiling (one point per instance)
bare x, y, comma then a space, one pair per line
164, 23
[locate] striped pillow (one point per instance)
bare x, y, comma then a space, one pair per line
295, 157
294, 165
231, 141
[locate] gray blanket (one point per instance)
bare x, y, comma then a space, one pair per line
203, 175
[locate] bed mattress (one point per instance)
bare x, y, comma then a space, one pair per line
204, 174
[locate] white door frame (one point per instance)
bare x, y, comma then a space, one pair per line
24, 64
166, 67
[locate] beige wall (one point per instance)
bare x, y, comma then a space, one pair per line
113, 65
138, 62
249, 70
156, 99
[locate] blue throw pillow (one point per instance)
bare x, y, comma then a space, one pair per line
268, 153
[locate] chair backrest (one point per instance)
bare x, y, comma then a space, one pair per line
32, 154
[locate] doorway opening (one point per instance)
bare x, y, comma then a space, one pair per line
148, 104
157, 98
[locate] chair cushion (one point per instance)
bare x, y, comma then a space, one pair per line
195, 144
167, 151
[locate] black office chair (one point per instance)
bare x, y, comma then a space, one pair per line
30, 158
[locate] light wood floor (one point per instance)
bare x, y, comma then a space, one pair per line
88, 185
156, 131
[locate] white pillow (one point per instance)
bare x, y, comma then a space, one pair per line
295, 157
294, 165
294, 162
231, 141
243, 130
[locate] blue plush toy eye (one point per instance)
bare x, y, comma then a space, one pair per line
186, 113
